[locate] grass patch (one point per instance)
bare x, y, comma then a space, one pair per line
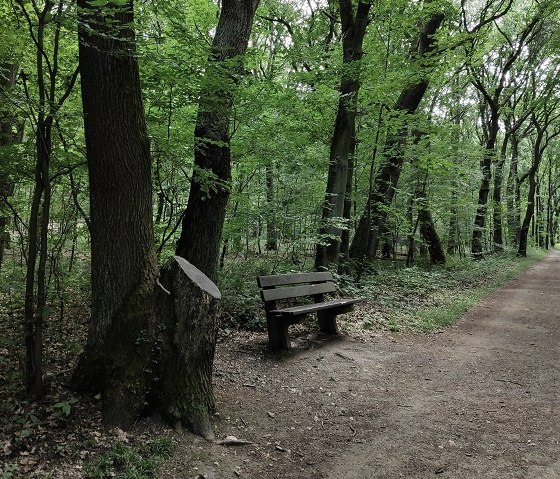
124, 461
497, 272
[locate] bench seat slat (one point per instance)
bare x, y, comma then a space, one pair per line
297, 291
311, 308
293, 278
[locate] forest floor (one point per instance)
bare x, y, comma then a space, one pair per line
479, 399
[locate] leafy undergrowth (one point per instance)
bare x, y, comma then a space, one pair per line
415, 299
60, 435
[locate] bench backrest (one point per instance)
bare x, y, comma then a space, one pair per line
310, 284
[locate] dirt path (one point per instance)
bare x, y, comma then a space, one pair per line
479, 400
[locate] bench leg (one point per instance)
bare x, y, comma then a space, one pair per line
277, 333
327, 322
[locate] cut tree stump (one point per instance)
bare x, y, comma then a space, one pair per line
189, 304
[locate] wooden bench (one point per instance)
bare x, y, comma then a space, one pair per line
286, 287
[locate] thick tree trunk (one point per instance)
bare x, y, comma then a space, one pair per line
204, 217
190, 317
372, 221
123, 264
343, 142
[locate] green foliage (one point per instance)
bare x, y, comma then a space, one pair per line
65, 407
425, 300
124, 461
9, 472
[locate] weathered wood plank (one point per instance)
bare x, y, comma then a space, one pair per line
297, 291
293, 278
311, 308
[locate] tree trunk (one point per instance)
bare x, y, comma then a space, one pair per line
531, 195
343, 142
453, 234
477, 243
8, 75
548, 235
512, 192
190, 318
372, 221
524, 230
204, 217
497, 239
428, 231
271, 230
123, 262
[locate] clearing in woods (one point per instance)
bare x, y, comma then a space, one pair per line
478, 400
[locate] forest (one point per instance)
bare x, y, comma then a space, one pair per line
250, 137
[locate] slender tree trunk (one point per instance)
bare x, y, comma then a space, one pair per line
121, 332
477, 243
548, 236
372, 221
271, 230
8, 75
453, 234
529, 212
531, 195
428, 230
512, 192
411, 233
343, 142
343, 266
497, 207
204, 217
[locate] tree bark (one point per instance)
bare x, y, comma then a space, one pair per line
372, 221
190, 316
453, 243
271, 230
497, 207
542, 121
204, 217
428, 230
477, 243
513, 192
123, 263
343, 142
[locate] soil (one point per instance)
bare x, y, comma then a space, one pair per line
477, 400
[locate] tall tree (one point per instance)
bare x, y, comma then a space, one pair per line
382, 191
123, 261
50, 99
8, 135
546, 121
491, 85
204, 216
343, 142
